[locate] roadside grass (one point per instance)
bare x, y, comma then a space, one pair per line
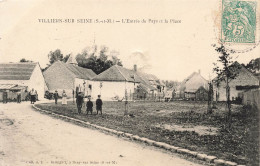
240, 143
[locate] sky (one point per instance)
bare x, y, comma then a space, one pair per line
171, 51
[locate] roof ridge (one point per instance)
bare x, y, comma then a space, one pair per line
8, 63
120, 72
65, 65
247, 71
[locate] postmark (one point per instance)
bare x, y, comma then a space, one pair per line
238, 21
237, 25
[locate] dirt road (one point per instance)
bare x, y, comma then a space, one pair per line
30, 138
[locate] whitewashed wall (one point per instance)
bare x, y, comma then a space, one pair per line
110, 90
37, 82
80, 83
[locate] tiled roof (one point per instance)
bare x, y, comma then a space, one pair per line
149, 77
117, 73
16, 71
244, 77
80, 72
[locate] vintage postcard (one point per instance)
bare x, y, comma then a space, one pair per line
129, 82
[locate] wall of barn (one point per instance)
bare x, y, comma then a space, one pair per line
57, 77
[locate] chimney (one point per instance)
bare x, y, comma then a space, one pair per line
135, 68
199, 71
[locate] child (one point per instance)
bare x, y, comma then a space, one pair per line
89, 106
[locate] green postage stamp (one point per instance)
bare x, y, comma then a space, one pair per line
238, 21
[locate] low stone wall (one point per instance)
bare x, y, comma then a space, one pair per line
252, 97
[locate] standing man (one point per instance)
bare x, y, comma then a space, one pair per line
19, 97
33, 95
99, 104
79, 102
89, 106
5, 96
56, 96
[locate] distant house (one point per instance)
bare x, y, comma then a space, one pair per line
150, 86
189, 86
69, 77
201, 93
169, 95
145, 91
22, 77
243, 82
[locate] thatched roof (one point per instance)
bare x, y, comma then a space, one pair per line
16, 71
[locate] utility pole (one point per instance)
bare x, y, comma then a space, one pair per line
73, 93
210, 97
126, 102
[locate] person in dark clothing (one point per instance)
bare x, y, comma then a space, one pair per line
89, 106
5, 97
99, 104
56, 96
79, 102
36, 97
19, 97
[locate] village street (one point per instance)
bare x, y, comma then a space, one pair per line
29, 138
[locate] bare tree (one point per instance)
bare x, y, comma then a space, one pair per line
226, 71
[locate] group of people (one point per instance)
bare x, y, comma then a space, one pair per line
64, 97
89, 104
32, 96
80, 101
